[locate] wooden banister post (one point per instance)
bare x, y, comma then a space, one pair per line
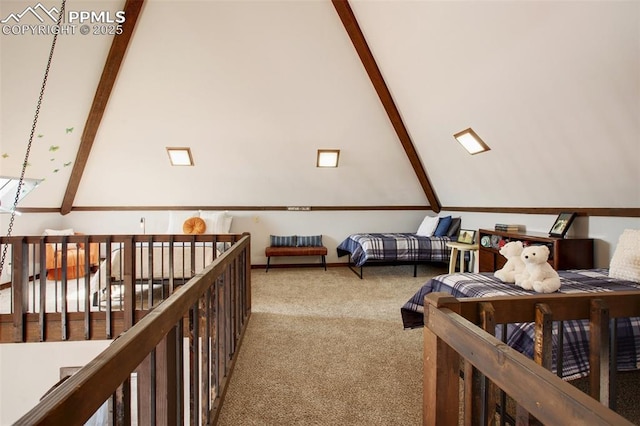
20, 282
129, 280
441, 371
485, 391
157, 384
542, 352
543, 338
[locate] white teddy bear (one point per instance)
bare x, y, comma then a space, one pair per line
511, 251
538, 273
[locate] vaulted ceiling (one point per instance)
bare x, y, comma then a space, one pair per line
256, 87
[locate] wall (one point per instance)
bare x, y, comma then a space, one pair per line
26, 374
333, 225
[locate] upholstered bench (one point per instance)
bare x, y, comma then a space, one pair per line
296, 246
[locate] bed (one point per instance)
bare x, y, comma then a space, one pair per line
427, 245
393, 248
169, 261
520, 336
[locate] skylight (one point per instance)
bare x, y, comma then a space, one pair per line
8, 189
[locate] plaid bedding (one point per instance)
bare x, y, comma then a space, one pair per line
520, 336
390, 247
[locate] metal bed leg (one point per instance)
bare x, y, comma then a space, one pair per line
353, 269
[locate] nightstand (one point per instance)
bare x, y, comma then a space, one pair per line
461, 248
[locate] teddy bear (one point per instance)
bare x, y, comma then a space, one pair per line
511, 251
538, 275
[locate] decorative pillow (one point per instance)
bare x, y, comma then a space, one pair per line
176, 220
194, 225
454, 228
283, 241
217, 222
56, 232
443, 226
309, 241
625, 263
428, 226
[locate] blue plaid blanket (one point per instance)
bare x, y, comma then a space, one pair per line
394, 247
521, 336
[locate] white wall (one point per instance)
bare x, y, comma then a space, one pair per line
333, 225
28, 370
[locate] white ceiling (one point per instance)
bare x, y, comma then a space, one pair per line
256, 87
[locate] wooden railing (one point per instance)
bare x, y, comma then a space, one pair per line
88, 301
455, 330
172, 364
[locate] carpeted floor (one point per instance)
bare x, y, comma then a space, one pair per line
327, 348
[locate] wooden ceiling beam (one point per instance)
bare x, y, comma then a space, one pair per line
362, 48
132, 10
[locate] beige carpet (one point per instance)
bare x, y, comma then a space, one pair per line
327, 348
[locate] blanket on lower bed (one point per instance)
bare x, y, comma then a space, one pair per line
163, 261
394, 247
520, 336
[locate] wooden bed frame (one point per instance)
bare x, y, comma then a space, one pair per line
460, 350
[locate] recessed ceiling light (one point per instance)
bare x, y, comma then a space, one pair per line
180, 156
471, 141
328, 158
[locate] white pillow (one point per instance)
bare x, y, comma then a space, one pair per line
428, 226
176, 220
625, 263
56, 232
217, 222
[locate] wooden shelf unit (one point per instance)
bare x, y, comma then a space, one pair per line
565, 253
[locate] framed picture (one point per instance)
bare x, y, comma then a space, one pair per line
467, 236
562, 224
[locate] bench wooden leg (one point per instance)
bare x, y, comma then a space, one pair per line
268, 260
324, 262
